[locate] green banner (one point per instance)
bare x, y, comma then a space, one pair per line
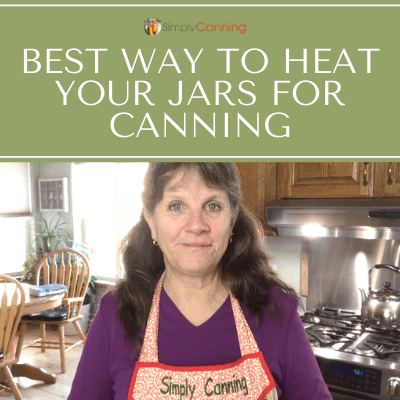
261, 82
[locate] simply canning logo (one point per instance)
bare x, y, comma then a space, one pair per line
152, 26
204, 28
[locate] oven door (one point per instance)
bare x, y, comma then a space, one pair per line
339, 395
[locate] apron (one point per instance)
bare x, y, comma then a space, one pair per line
249, 377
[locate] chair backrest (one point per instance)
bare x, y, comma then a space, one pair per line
66, 267
12, 303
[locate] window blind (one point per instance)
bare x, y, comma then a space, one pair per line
14, 189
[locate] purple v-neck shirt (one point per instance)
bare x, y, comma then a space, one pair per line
106, 366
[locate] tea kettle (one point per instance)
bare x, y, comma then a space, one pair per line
382, 307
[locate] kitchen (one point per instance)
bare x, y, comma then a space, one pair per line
335, 222
299, 260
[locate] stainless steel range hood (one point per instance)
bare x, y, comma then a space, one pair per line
348, 218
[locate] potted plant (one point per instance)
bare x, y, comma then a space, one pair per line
29, 266
52, 235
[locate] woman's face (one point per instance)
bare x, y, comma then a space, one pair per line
192, 225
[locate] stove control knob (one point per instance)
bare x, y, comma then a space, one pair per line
393, 387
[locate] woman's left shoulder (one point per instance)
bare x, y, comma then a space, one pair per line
284, 302
285, 307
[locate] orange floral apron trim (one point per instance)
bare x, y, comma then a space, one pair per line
249, 377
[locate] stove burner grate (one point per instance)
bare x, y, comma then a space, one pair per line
334, 317
345, 331
332, 336
381, 347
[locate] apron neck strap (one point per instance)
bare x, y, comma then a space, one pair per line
149, 352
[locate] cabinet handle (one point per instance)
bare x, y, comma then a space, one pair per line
365, 183
389, 181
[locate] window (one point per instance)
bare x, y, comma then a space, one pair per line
14, 189
14, 242
15, 220
106, 204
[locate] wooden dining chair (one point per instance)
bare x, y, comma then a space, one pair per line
12, 303
66, 267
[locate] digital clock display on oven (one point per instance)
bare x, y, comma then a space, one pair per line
346, 369
360, 379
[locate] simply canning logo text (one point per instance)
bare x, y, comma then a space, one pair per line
153, 26
204, 27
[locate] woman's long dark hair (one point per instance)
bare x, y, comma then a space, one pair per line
244, 267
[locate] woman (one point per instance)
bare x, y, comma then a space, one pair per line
199, 314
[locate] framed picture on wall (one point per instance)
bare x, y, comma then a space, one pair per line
53, 194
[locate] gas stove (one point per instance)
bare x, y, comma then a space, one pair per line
357, 362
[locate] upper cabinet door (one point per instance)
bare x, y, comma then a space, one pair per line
325, 179
258, 183
387, 179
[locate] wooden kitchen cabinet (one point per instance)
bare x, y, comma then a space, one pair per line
387, 179
258, 183
265, 182
325, 180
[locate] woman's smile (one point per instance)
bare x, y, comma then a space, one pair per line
197, 245
196, 248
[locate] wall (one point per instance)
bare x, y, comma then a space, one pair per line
34, 176
45, 171
339, 267
285, 255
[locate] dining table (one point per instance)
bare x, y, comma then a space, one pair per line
32, 305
